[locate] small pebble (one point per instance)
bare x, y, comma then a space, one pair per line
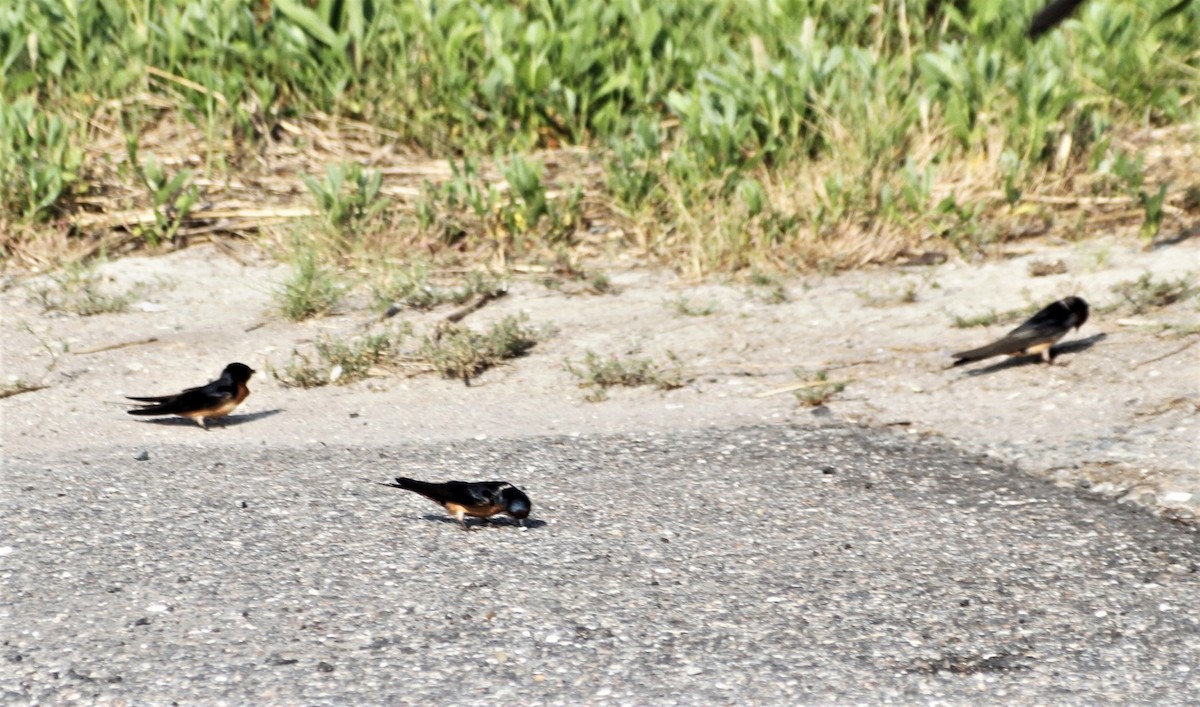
142, 456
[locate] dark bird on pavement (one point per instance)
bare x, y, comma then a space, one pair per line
209, 401
1037, 335
481, 499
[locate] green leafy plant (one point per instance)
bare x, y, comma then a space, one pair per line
39, 162
601, 373
78, 289
1146, 292
684, 307
818, 390
411, 286
340, 362
312, 289
458, 352
348, 196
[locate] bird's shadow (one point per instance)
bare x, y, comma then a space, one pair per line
1070, 347
227, 421
497, 521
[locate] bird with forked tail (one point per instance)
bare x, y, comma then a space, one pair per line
480, 499
1036, 335
206, 402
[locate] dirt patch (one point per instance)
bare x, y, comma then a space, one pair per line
1116, 413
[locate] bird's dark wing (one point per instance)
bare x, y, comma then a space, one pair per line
1051, 15
153, 399
191, 400
463, 493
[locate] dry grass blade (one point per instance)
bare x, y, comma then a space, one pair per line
113, 347
8, 391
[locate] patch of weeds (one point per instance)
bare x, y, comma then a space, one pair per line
1043, 268
599, 374
77, 289
343, 362
40, 163
600, 284
987, 319
819, 390
768, 287
514, 219
565, 270
311, 290
1152, 207
348, 196
1183, 330
635, 166
1147, 293
412, 287
993, 317
893, 298
172, 196
684, 307
458, 352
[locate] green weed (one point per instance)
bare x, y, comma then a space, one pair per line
768, 287
311, 290
1146, 293
599, 374
714, 135
684, 307
458, 352
335, 361
40, 162
78, 289
819, 389
413, 288
348, 196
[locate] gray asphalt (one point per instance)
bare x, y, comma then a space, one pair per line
762, 565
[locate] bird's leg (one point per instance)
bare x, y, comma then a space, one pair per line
460, 516
203, 422
1048, 357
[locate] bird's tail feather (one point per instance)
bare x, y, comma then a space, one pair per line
994, 349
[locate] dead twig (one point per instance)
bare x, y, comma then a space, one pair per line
1169, 354
475, 305
801, 386
187, 83
111, 347
20, 388
461, 313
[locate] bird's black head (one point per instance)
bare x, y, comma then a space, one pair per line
1078, 308
239, 372
515, 502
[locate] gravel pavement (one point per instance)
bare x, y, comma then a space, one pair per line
758, 565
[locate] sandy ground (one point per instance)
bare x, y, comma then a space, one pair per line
1117, 413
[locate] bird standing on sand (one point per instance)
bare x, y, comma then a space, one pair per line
1037, 335
209, 401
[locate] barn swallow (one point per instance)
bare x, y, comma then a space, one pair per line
211, 400
471, 498
1036, 335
